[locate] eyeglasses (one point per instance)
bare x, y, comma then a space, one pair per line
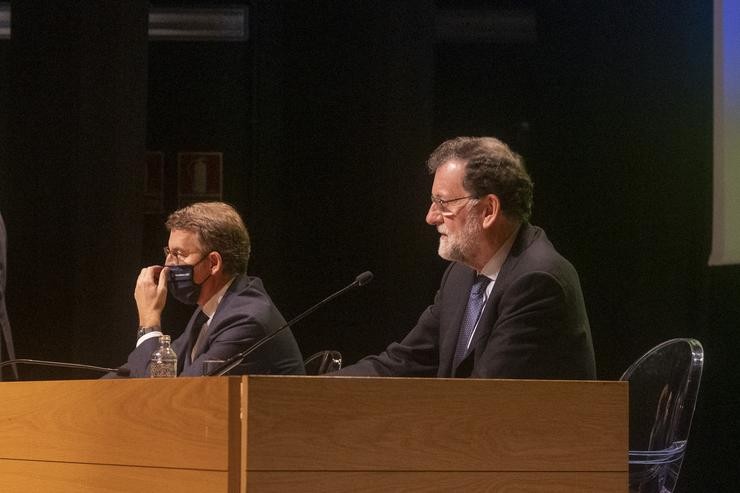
179, 255
442, 203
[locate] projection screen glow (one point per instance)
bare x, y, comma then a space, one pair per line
726, 218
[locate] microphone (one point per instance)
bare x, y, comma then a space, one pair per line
121, 372
360, 280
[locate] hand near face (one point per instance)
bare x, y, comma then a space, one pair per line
151, 294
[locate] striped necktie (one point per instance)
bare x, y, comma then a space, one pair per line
472, 314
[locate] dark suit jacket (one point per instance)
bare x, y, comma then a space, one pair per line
244, 315
534, 324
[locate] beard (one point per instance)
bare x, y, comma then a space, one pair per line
460, 246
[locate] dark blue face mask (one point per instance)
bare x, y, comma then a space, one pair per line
181, 285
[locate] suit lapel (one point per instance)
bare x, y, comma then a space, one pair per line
194, 327
183, 344
490, 315
215, 321
456, 298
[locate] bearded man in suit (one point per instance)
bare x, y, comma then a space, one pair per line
509, 305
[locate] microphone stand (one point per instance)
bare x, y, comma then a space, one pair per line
230, 363
61, 364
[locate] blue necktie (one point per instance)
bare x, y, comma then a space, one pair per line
470, 319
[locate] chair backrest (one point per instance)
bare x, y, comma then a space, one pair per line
663, 386
323, 362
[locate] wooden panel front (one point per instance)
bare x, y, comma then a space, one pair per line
399, 424
63, 477
292, 433
427, 482
168, 423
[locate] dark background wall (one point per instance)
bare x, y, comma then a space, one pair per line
325, 117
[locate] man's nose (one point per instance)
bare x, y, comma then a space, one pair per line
434, 217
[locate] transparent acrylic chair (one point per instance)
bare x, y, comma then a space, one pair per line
663, 386
323, 362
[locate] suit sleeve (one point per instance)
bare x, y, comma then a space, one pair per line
417, 355
137, 364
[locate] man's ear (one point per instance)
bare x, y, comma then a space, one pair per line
491, 209
217, 263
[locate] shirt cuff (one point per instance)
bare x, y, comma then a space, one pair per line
148, 335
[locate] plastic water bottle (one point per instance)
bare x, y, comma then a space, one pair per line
164, 360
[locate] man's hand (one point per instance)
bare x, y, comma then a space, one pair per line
151, 294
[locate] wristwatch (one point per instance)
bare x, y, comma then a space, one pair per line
145, 330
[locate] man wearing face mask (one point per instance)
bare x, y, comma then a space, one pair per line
205, 265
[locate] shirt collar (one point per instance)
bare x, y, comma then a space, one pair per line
210, 307
493, 266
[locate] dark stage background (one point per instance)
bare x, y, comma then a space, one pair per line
325, 116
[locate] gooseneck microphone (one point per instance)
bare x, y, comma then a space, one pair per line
360, 280
121, 372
